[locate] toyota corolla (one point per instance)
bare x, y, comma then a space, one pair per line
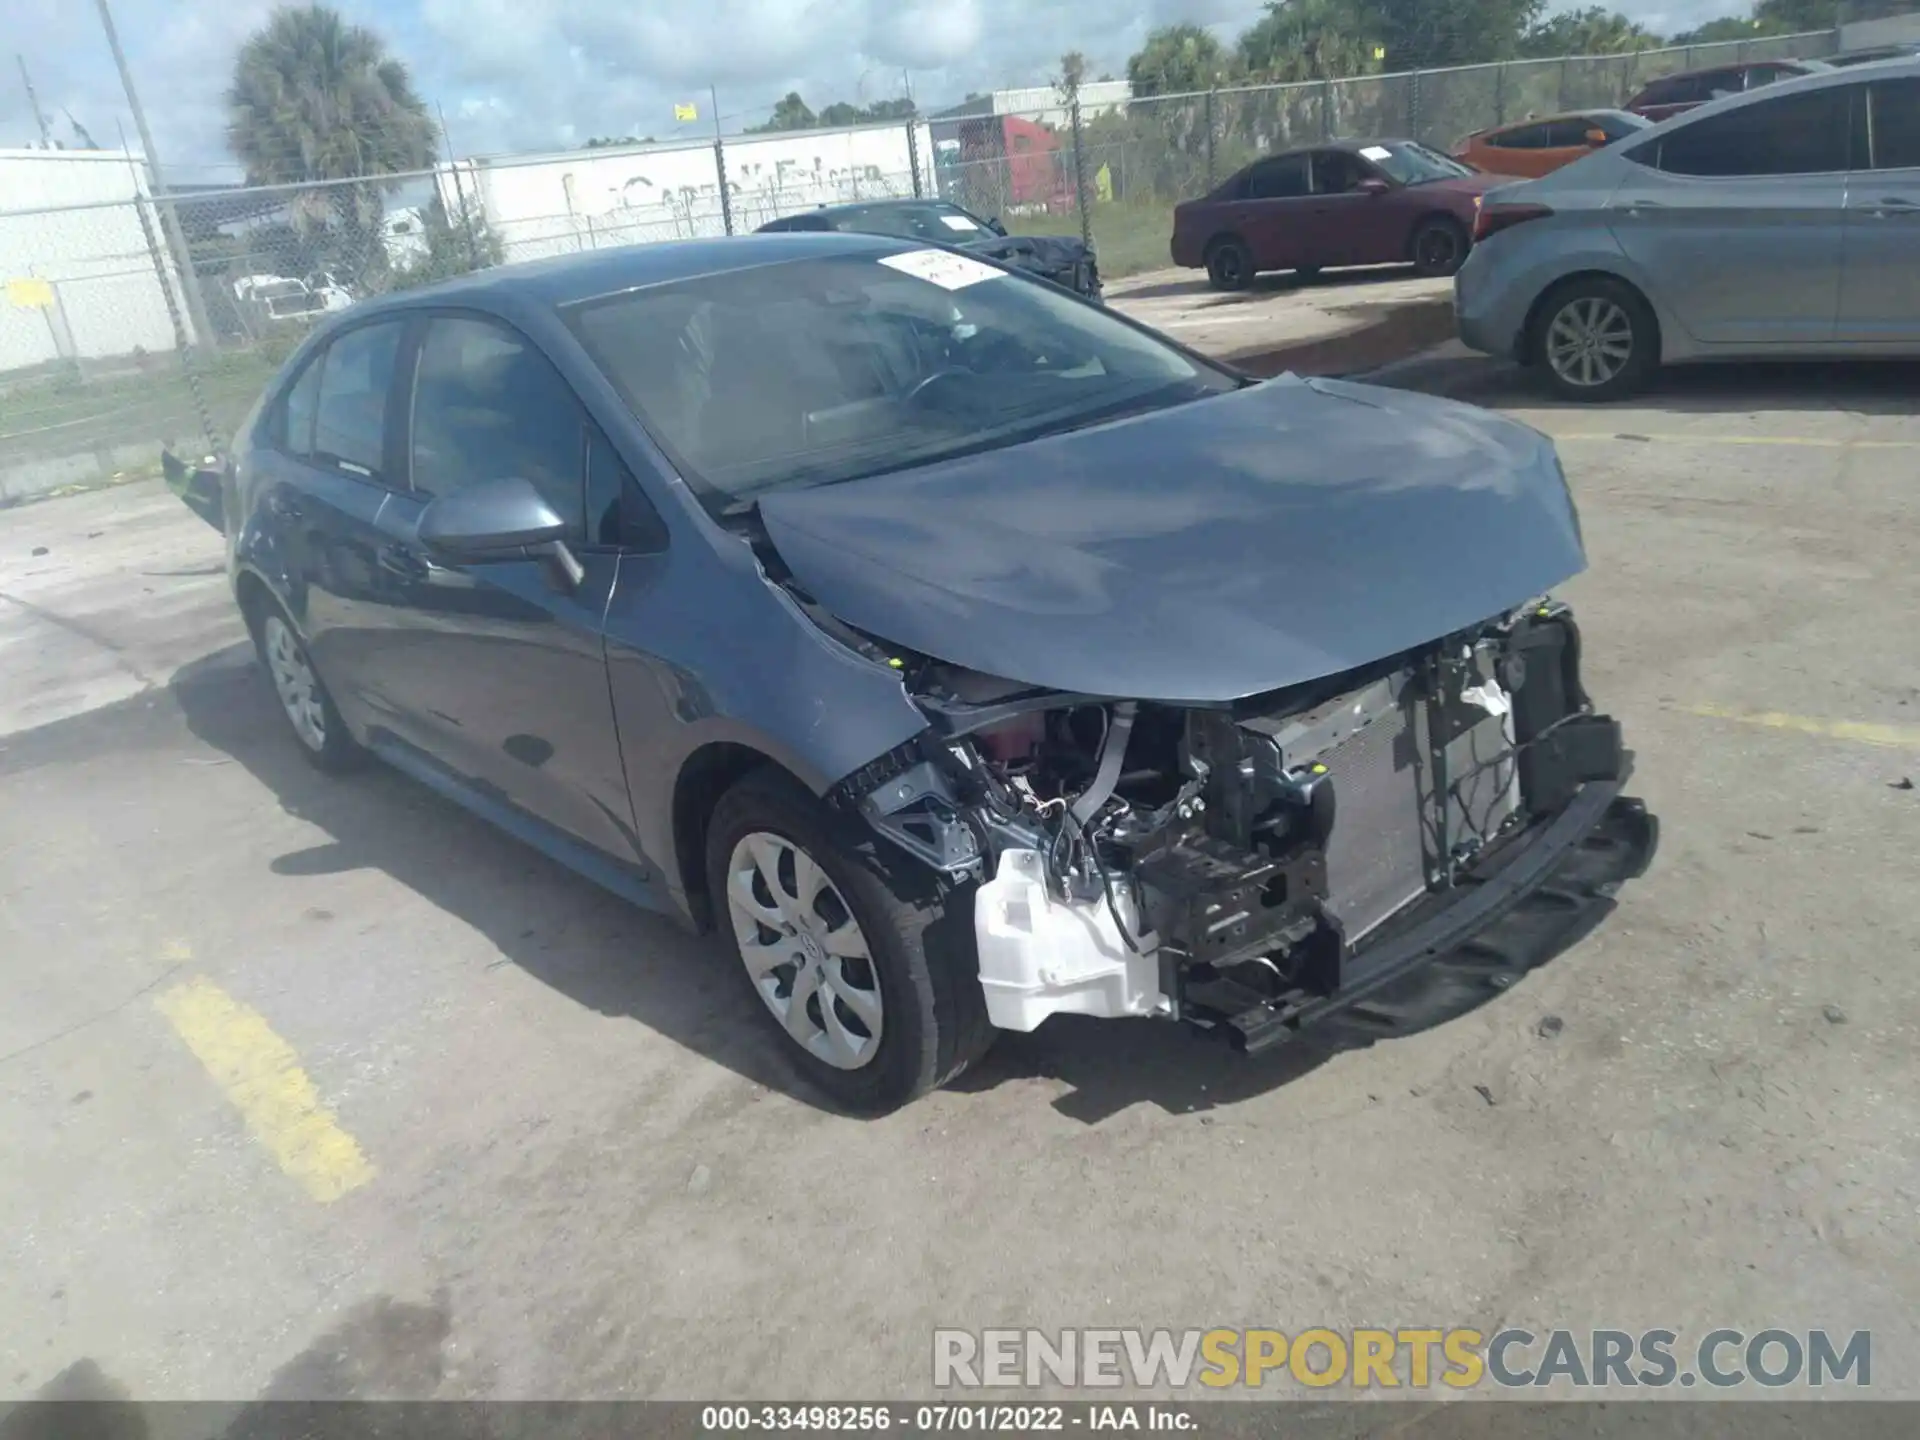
963, 654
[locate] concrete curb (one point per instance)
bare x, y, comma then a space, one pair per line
1399, 331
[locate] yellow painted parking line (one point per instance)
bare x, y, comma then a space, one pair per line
262, 1077
1804, 442
1862, 732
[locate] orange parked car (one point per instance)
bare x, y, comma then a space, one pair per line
1533, 148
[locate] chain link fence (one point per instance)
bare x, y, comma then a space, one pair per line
135, 319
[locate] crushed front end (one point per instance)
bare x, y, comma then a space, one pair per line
1385, 846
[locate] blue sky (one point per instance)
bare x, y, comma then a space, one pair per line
516, 75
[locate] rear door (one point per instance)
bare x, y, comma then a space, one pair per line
1518, 151
329, 465
1273, 213
1736, 219
1880, 285
499, 672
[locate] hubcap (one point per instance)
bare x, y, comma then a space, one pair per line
1590, 341
294, 682
804, 951
1438, 250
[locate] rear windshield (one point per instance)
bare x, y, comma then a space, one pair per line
823, 370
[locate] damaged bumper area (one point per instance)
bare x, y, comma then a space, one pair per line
1381, 849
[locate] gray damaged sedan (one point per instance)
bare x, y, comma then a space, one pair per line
961, 653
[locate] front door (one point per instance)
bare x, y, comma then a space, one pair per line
1880, 283
1736, 220
1273, 213
1348, 226
497, 668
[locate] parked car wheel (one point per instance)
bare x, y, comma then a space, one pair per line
1595, 339
1230, 264
1440, 246
863, 968
303, 696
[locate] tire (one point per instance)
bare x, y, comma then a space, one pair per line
917, 984
1440, 246
305, 704
1587, 311
1229, 264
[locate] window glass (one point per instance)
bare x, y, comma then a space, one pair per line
356, 375
1282, 179
821, 370
1794, 135
618, 513
1337, 173
947, 224
488, 406
1407, 163
295, 430
1896, 125
1525, 137
1567, 134
1618, 124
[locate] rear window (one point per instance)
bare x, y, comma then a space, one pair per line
1896, 124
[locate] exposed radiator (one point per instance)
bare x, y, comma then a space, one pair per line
1376, 861
1382, 844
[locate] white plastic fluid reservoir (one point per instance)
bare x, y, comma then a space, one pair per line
1040, 956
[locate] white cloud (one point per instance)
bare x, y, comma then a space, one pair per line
536, 74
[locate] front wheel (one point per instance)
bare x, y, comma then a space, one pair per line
862, 969
1596, 340
1439, 246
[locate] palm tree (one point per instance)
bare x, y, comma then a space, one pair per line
317, 99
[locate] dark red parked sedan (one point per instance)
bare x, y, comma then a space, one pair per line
1358, 202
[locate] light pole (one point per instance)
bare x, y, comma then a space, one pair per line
169, 221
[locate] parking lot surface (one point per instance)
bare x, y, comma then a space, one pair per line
317, 1088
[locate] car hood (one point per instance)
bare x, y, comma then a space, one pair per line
1263, 538
1038, 252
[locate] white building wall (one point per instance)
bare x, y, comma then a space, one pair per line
57, 224
588, 199
1044, 105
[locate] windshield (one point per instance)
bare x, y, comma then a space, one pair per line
946, 224
1409, 164
817, 371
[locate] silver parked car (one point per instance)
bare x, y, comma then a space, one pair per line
1782, 223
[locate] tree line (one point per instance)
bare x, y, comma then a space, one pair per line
1299, 40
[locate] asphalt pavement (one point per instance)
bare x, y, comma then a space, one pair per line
316, 1088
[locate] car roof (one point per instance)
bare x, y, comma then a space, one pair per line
568, 279
889, 202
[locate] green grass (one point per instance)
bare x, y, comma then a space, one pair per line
1130, 236
61, 411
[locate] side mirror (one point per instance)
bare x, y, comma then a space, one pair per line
498, 520
1373, 185
996, 227
1597, 138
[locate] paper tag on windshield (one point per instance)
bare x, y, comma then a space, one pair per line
958, 222
937, 267
1377, 152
